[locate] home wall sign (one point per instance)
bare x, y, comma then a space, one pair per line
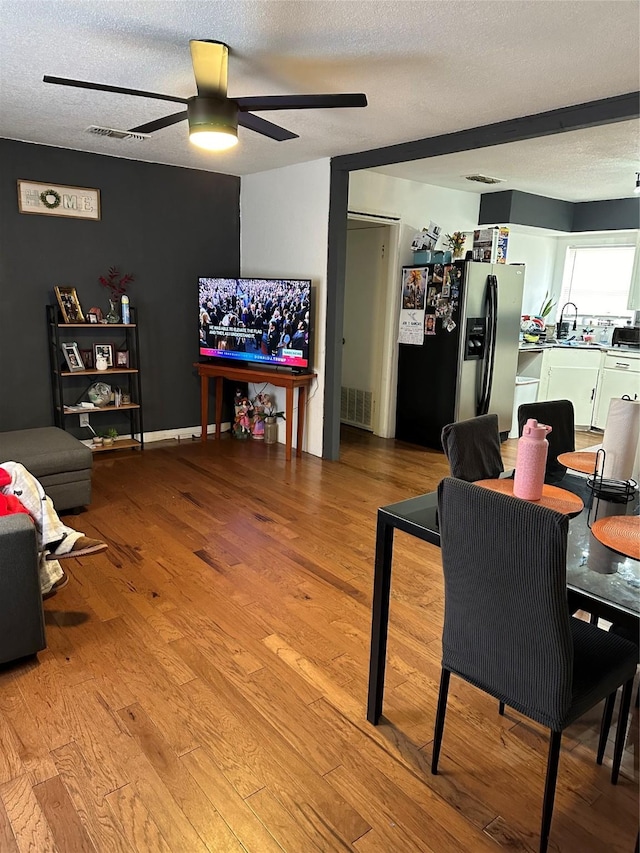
56, 200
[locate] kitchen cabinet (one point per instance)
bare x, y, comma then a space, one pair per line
571, 374
620, 376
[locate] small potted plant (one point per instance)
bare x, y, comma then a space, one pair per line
110, 436
545, 309
456, 243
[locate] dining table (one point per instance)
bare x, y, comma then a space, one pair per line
600, 580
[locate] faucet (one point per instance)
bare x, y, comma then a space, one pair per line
575, 319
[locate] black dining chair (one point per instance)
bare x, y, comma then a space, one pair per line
559, 415
507, 629
472, 448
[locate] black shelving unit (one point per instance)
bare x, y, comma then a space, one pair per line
69, 388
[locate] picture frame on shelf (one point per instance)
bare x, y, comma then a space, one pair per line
91, 317
87, 357
122, 358
105, 351
72, 356
69, 304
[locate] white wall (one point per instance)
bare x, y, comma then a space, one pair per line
284, 218
414, 203
538, 253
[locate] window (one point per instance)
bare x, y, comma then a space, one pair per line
597, 280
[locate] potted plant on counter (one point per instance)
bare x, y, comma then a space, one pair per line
548, 303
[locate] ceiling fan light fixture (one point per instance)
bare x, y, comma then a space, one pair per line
213, 123
213, 140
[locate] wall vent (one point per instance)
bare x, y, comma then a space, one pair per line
112, 133
356, 407
484, 179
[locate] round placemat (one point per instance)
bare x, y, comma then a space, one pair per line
579, 460
553, 497
621, 533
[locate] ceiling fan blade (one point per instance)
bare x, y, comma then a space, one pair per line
210, 63
301, 102
266, 128
159, 123
119, 90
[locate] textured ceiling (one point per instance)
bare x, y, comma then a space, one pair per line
426, 67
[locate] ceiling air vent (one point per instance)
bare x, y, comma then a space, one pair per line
484, 179
112, 133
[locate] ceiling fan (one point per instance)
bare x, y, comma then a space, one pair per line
213, 117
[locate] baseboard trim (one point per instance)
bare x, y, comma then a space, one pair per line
180, 434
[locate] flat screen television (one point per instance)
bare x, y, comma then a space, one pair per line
266, 321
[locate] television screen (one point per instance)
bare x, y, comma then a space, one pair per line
262, 320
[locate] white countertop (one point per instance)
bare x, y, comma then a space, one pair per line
525, 347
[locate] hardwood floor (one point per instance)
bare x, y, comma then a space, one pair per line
205, 682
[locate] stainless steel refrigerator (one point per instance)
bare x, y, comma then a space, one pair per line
465, 363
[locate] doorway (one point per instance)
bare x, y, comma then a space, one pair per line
369, 354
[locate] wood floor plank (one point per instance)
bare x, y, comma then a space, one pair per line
251, 832
102, 742
274, 762
28, 821
218, 645
24, 735
387, 769
87, 795
58, 808
135, 822
303, 831
182, 787
8, 843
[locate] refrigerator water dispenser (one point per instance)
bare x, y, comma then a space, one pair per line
475, 339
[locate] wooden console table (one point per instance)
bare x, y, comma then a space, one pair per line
257, 375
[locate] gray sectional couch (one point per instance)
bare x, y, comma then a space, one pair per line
61, 463
63, 466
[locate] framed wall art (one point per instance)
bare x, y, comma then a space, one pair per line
56, 200
72, 356
103, 351
87, 358
122, 358
69, 304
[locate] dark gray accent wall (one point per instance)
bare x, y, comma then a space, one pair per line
518, 208
611, 215
167, 225
514, 207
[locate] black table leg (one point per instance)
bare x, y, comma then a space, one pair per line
380, 618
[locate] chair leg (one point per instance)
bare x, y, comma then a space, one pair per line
501, 709
550, 789
621, 733
445, 675
605, 725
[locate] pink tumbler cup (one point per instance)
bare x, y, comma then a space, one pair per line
531, 461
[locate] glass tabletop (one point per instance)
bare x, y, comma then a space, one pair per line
593, 570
